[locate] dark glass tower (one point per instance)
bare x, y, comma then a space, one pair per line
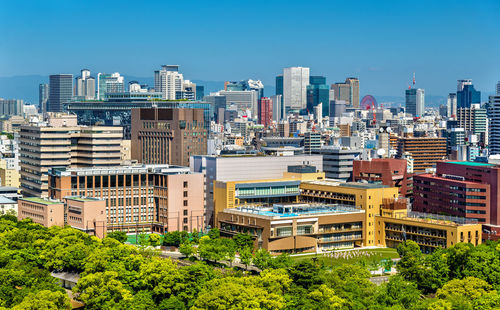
60, 91
468, 96
318, 92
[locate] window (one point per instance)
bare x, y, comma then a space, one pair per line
185, 193
185, 203
185, 184
185, 212
185, 221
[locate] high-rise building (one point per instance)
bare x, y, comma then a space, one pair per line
295, 81
60, 91
278, 108
318, 92
200, 92
256, 85
451, 105
265, 111
43, 97
498, 88
109, 83
168, 136
425, 151
494, 125
415, 101
312, 142
473, 119
62, 143
279, 85
9, 107
85, 85
244, 100
168, 81
337, 162
466, 94
353, 91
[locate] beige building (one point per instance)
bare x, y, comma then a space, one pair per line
9, 177
168, 136
42, 211
59, 142
138, 198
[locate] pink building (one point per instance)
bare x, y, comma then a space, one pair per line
265, 111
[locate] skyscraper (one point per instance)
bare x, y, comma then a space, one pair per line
353, 91
85, 85
265, 111
279, 85
415, 101
318, 92
278, 108
451, 105
43, 97
295, 81
109, 83
60, 91
256, 85
466, 94
168, 81
494, 124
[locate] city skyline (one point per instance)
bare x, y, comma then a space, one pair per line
374, 44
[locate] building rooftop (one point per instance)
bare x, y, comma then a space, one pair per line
331, 182
42, 200
133, 169
5, 200
8, 189
471, 163
295, 210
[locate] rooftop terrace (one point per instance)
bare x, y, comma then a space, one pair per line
471, 163
42, 200
296, 210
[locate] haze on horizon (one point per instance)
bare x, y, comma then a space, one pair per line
380, 42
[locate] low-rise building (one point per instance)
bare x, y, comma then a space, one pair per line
46, 212
7, 206
296, 228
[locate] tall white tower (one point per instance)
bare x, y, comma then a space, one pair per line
295, 81
168, 81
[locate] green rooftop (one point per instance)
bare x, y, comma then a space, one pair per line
42, 201
471, 163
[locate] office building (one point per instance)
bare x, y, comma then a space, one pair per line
168, 81
60, 91
279, 85
43, 97
240, 168
466, 94
337, 161
85, 86
109, 83
278, 108
244, 100
318, 92
295, 82
387, 171
140, 198
415, 101
255, 85
62, 143
200, 92
265, 111
494, 125
498, 88
473, 120
347, 91
424, 151
451, 105
10, 107
312, 142
167, 136
452, 195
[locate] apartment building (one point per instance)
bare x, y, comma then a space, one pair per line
138, 198
425, 151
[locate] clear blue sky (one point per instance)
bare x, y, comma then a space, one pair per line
381, 42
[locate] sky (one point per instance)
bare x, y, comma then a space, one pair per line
380, 42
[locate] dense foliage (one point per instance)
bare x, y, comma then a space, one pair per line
114, 275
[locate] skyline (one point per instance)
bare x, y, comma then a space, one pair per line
339, 40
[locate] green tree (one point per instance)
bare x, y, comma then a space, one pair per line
154, 240
399, 292
9, 217
246, 256
195, 236
101, 290
187, 249
411, 260
262, 259
44, 300
214, 233
469, 287
243, 241
118, 235
306, 273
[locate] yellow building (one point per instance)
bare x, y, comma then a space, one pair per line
395, 225
370, 197
9, 177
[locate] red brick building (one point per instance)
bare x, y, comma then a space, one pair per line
386, 171
265, 111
